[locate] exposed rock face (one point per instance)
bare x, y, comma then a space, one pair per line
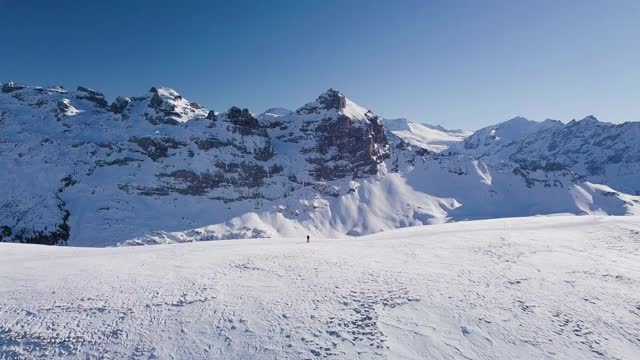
93, 96
348, 150
11, 87
230, 175
330, 100
600, 152
156, 147
242, 118
377, 130
120, 104
587, 149
166, 106
349, 140
166, 111
63, 106
244, 122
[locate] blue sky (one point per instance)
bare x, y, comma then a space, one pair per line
462, 63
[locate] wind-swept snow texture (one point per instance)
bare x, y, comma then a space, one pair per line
157, 168
521, 288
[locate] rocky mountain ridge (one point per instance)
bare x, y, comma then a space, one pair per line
595, 151
158, 168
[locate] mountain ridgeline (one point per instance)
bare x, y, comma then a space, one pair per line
81, 170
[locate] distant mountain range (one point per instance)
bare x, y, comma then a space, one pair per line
157, 168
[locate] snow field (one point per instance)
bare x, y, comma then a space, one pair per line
561, 287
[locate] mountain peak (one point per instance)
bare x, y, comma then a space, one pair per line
171, 108
92, 95
306, 171
332, 100
329, 100
518, 119
590, 119
165, 92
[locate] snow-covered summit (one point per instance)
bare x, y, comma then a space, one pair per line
423, 136
491, 139
333, 101
329, 100
589, 120
169, 107
592, 150
598, 151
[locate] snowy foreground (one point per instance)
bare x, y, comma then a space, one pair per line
530, 288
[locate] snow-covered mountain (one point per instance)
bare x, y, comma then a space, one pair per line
593, 150
597, 151
503, 137
433, 138
159, 168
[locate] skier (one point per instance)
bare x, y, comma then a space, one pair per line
307, 239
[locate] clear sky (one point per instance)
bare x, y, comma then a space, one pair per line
459, 63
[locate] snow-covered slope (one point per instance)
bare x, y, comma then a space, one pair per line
272, 113
528, 288
599, 152
503, 137
159, 168
593, 150
432, 138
